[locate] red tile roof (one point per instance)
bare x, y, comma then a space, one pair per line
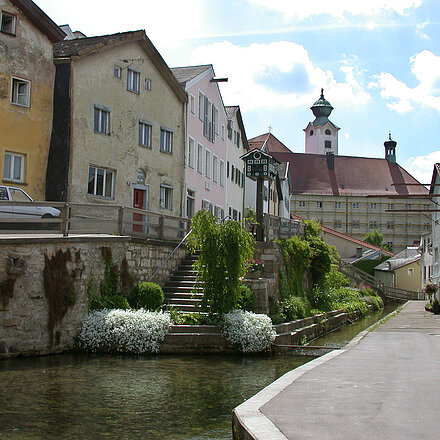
359, 176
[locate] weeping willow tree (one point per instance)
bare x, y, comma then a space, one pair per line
224, 250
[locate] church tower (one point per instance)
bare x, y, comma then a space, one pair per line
321, 134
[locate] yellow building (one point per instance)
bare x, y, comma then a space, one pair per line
27, 77
119, 125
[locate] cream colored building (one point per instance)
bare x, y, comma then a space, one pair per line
401, 271
27, 76
119, 125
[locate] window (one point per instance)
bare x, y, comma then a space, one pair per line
328, 132
372, 224
311, 132
191, 153
356, 224
215, 168
355, 205
319, 204
147, 84
133, 79
390, 225
426, 226
190, 203
410, 271
408, 206
426, 206
338, 224
206, 204
390, 245
13, 168
200, 158
327, 144
166, 197
218, 212
236, 138
373, 205
207, 164
102, 120
208, 114
232, 173
302, 204
20, 92
101, 182
390, 206
222, 173
8, 23
192, 104
407, 225
117, 72
223, 132
166, 140
145, 129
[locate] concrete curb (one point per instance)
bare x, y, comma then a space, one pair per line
249, 423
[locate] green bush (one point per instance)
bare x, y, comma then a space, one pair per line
335, 279
246, 299
295, 307
146, 295
99, 302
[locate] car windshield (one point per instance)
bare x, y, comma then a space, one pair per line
3, 194
17, 195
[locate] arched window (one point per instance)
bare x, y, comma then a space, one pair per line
311, 132
328, 131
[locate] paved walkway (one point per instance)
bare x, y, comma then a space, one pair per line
386, 385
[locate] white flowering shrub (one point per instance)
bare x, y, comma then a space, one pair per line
126, 331
252, 331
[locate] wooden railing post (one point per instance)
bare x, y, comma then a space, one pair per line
65, 223
161, 225
121, 220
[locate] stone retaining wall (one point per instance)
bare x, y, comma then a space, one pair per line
79, 261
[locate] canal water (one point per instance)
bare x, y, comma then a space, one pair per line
79, 396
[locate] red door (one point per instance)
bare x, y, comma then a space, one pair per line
138, 202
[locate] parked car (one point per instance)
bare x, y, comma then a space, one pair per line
11, 194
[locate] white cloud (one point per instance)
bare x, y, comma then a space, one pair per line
421, 167
425, 66
337, 8
420, 30
278, 74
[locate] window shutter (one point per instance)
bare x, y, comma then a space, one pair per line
213, 123
205, 117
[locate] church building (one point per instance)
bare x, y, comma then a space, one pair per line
352, 195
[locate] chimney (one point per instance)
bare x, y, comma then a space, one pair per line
330, 160
390, 149
359, 252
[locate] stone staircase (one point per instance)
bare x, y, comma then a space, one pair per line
179, 289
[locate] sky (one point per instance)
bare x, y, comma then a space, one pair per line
378, 62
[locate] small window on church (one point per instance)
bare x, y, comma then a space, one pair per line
328, 144
328, 131
311, 132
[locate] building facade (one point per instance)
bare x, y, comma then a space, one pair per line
119, 125
205, 158
237, 146
27, 76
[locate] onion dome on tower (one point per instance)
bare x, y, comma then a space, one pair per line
321, 134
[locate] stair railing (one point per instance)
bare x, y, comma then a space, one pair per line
171, 254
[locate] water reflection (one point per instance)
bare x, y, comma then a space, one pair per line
80, 396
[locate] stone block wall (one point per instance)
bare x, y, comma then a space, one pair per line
24, 304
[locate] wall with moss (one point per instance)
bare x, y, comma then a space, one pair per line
44, 283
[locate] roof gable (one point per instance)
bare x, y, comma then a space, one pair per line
189, 73
88, 46
268, 142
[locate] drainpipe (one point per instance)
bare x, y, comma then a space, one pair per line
182, 162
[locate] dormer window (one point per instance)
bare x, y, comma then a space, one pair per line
8, 23
328, 132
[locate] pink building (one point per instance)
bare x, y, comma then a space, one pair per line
205, 153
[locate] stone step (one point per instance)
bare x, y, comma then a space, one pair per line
183, 295
183, 283
197, 329
184, 301
185, 308
178, 289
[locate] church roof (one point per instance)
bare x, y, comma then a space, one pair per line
269, 143
347, 175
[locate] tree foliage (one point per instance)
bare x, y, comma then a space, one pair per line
224, 250
374, 237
